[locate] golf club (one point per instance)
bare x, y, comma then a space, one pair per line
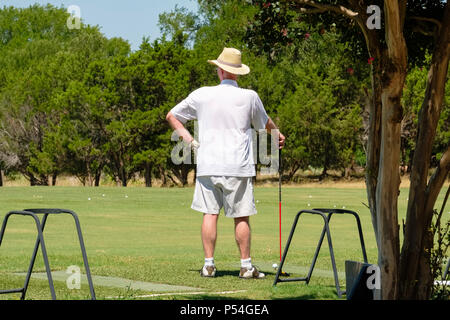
285, 274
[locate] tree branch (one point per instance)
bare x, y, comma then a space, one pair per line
356, 13
438, 219
402, 6
320, 7
435, 21
438, 178
310, 11
418, 29
394, 33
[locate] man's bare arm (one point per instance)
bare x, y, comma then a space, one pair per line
176, 125
270, 125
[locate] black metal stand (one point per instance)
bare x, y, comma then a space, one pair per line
326, 215
40, 242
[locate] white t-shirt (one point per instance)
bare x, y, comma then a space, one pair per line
225, 114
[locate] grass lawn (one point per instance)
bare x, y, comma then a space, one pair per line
152, 235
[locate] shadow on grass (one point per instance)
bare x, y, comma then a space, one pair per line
302, 297
279, 293
310, 296
220, 273
233, 273
210, 297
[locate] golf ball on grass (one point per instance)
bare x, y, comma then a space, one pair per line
274, 266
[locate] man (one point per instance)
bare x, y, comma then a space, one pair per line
225, 165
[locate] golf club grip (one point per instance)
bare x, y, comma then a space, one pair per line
279, 174
279, 161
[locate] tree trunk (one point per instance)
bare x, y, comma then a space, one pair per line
184, 174
373, 150
1, 178
387, 197
162, 173
416, 280
90, 179
98, 175
195, 174
123, 177
54, 176
41, 181
408, 275
324, 173
374, 131
393, 79
148, 175
32, 180
121, 172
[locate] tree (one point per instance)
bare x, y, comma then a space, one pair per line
413, 93
405, 274
40, 58
26, 39
321, 117
163, 73
179, 25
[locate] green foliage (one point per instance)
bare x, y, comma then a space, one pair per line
74, 102
315, 91
412, 101
278, 24
180, 25
41, 59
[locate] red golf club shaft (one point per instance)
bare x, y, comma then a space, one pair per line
279, 195
280, 226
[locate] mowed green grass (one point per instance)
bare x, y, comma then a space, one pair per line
152, 235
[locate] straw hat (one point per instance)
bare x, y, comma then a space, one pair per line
230, 60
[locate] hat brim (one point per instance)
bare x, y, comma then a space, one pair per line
243, 70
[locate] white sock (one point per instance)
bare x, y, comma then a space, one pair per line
209, 262
246, 263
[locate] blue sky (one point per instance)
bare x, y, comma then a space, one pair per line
131, 20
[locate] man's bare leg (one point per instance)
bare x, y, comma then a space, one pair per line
243, 238
242, 235
209, 234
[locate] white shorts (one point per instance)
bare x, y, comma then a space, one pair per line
234, 194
